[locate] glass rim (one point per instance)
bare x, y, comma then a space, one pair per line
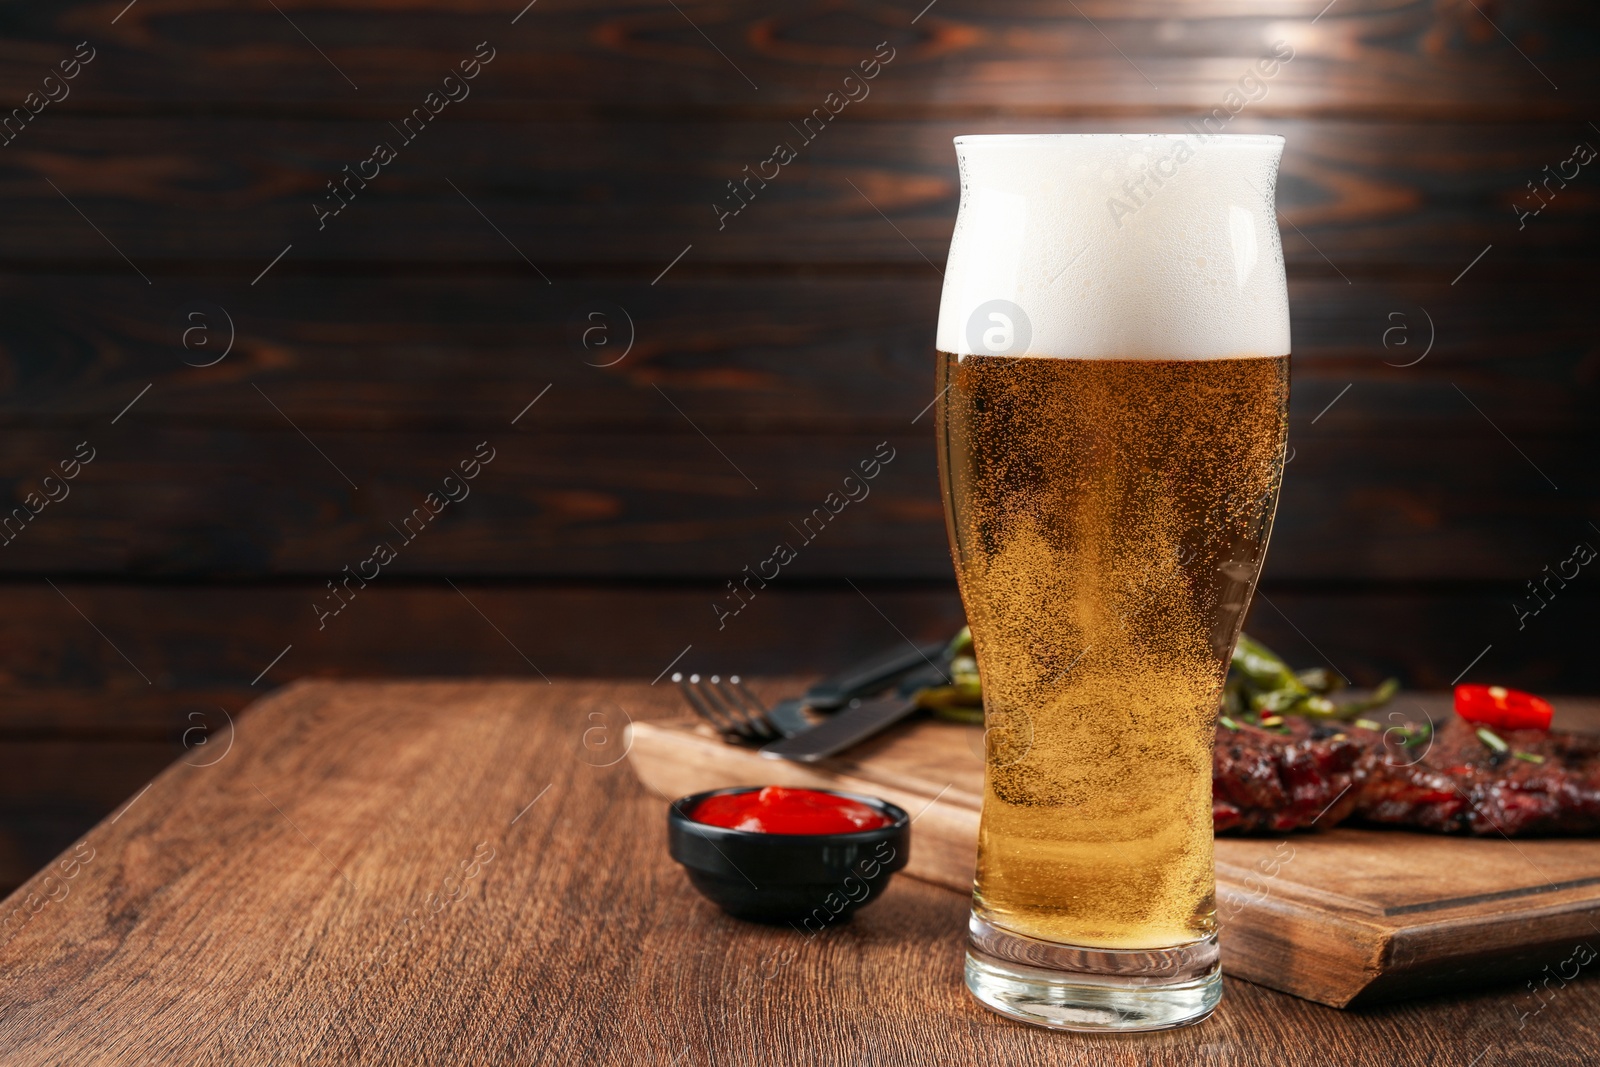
1232, 138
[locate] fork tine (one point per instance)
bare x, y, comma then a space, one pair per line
715, 694
764, 713
750, 698
734, 723
752, 710
691, 692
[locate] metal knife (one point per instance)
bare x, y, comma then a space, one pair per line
870, 675
797, 715
850, 725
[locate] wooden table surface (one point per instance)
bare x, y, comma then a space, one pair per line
445, 872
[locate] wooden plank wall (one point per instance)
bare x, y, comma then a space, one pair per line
166, 204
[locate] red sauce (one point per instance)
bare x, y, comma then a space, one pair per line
776, 810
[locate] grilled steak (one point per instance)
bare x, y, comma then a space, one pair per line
1309, 773
1461, 785
1263, 781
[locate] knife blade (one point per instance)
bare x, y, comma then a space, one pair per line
850, 725
870, 675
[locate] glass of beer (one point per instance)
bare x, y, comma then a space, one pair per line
1113, 397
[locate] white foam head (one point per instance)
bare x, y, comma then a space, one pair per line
1116, 246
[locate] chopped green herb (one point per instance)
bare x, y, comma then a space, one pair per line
1531, 757
1423, 732
1229, 723
1366, 724
1490, 738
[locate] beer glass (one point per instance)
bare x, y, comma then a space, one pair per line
1113, 359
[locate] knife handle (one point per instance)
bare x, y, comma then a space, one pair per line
869, 676
851, 725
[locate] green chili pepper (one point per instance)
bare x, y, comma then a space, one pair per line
1261, 668
1266, 684
1233, 695
1259, 685
1380, 696
1320, 680
955, 713
957, 695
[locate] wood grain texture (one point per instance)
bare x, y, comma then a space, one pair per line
67, 691
54, 787
1364, 56
284, 876
1341, 917
219, 638
200, 134
183, 501
1355, 196
792, 351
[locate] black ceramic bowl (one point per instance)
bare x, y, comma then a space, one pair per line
809, 879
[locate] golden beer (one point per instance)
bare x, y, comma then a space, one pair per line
1108, 518
1113, 379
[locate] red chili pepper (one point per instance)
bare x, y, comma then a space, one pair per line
1507, 709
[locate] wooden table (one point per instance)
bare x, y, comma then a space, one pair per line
442, 872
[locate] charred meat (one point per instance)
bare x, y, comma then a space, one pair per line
1289, 778
1303, 774
1532, 783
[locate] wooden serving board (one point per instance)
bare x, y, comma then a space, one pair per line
1343, 917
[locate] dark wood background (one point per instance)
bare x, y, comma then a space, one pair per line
775, 354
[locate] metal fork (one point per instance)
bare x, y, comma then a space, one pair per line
729, 706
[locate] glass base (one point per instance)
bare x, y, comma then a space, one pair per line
1065, 987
